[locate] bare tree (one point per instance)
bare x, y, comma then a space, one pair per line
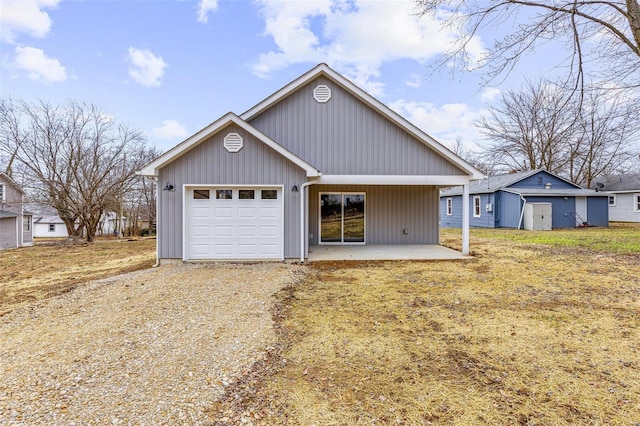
529, 129
481, 162
75, 158
602, 138
544, 126
602, 38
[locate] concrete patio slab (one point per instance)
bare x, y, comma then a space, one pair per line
383, 252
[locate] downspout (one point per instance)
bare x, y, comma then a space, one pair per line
302, 216
524, 203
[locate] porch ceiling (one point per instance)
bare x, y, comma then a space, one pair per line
383, 252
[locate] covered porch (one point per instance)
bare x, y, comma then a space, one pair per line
318, 253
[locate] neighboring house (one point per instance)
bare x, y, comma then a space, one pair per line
320, 161
109, 223
49, 227
624, 196
500, 202
16, 224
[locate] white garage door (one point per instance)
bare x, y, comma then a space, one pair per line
227, 223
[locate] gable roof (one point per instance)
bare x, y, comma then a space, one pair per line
152, 168
620, 183
496, 183
326, 71
12, 182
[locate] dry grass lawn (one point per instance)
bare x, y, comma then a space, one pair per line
33, 273
523, 334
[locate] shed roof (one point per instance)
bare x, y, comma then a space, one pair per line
620, 183
5, 214
496, 183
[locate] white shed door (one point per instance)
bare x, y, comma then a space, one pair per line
227, 223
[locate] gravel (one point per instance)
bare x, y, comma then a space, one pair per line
157, 346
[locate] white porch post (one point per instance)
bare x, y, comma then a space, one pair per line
465, 219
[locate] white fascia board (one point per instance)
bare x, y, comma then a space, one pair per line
152, 168
391, 180
373, 102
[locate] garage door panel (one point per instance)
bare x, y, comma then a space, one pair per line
269, 212
234, 228
247, 249
269, 231
246, 212
201, 212
201, 231
268, 250
223, 212
247, 231
223, 231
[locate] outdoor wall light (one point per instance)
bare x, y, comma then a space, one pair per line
168, 187
294, 188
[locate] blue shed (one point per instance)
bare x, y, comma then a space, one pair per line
498, 201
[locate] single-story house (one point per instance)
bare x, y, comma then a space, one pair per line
16, 224
624, 196
320, 161
50, 226
501, 202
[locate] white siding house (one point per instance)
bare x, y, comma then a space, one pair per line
624, 198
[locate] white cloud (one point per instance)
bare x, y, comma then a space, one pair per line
445, 123
356, 37
146, 68
25, 16
171, 129
414, 80
204, 7
39, 67
490, 94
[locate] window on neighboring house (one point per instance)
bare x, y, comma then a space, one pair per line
636, 202
52, 227
1, 192
26, 224
476, 206
612, 200
449, 206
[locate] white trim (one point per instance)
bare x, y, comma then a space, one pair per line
225, 186
476, 198
341, 243
324, 69
152, 168
392, 180
636, 202
449, 206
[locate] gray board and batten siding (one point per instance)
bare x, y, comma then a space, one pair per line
211, 164
389, 210
345, 136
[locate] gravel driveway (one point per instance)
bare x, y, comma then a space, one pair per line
150, 347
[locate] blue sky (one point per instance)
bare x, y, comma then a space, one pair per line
171, 67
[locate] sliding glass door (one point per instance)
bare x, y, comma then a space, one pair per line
342, 218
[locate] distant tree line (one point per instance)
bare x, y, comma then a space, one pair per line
77, 159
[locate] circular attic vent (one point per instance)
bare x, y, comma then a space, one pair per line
233, 142
322, 93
